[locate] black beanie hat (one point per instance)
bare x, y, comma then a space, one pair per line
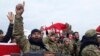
35, 30
1, 32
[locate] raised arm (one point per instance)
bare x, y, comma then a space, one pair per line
18, 31
8, 35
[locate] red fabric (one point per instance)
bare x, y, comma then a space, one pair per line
58, 26
98, 29
8, 49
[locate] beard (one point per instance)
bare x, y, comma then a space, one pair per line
36, 40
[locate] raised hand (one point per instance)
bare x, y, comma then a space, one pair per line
10, 17
20, 9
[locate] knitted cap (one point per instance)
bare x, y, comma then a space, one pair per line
90, 33
35, 30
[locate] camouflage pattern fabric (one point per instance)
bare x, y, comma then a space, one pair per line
91, 50
18, 33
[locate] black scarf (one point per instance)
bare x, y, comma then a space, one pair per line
37, 43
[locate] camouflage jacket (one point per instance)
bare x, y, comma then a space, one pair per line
91, 50
51, 46
66, 51
18, 33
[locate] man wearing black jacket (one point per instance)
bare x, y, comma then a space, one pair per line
8, 35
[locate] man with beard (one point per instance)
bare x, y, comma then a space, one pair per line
36, 40
34, 44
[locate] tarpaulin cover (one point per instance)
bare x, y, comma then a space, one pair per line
8, 48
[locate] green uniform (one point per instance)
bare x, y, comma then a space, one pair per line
90, 50
76, 48
18, 33
67, 50
52, 46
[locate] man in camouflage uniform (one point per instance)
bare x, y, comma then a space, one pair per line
67, 47
18, 33
52, 43
76, 45
89, 46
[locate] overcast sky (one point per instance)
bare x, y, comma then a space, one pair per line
81, 14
